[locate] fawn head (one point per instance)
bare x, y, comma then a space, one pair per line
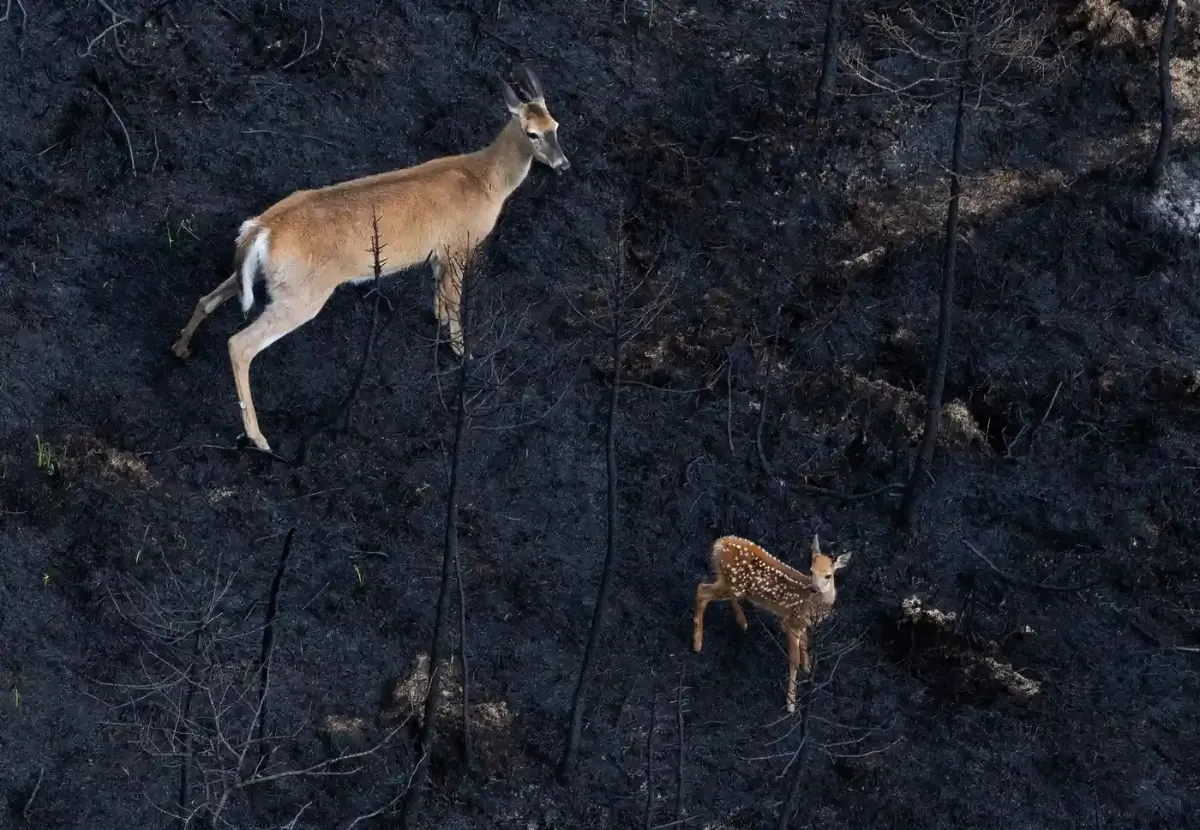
527, 103
823, 568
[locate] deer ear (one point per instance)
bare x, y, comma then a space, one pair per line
841, 562
511, 99
816, 545
530, 84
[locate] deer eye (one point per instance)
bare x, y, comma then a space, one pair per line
533, 136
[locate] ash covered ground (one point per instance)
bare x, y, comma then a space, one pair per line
953, 693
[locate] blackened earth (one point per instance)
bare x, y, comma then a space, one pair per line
953, 696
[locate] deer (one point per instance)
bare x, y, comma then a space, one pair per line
438, 212
744, 570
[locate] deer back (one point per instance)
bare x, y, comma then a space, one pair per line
759, 577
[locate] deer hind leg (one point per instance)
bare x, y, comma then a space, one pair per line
738, 615
207, 305
287, 311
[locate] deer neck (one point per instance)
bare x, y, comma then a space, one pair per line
508, 158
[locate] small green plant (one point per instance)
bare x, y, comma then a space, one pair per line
47, 457
358, 571
16, 698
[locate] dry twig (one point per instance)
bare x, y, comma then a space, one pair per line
1025, 583
304, 50
20, 7
117, 115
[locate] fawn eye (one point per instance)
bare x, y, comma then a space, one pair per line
532, 136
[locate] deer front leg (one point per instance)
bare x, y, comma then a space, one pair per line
805, 654
450, 293
795, 652
439, 312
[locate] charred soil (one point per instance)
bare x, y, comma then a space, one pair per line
959, 690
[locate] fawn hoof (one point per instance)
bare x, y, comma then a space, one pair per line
791, 707
181, 350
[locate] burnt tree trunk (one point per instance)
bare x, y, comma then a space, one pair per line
941, 360
585, 671
828, 62
1166, 100
437, 651
791, 801
268, 644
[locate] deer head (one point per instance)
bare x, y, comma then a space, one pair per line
823, 568
527, 103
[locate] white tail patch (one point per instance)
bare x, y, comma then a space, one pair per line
256, 257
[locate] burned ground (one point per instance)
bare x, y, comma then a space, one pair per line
959, 693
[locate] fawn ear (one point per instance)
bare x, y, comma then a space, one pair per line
841, 562
816, 545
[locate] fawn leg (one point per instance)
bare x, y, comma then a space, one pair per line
795, 649
706, 592
738, 616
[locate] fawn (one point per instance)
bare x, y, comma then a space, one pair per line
744, 570
440, 211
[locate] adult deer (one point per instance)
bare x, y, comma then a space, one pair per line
744, 570
313, 241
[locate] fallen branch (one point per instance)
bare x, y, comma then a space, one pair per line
8, 11
729, 407
650, 763
679, 758
117, 115
1025, 583
814, 490
28, 808
309, 136
758, 434
304, 50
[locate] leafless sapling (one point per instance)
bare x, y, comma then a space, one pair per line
956, 50
829, 61
480, 380
1166, 100
342, 413
631, 304
198, 709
